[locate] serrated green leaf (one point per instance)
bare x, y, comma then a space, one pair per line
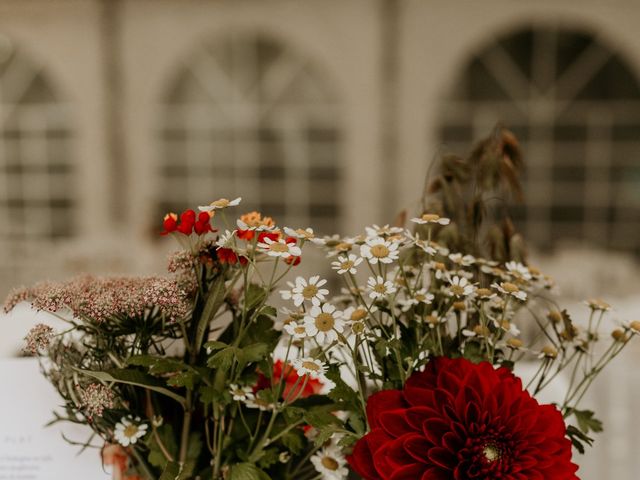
247, 471
254, 352
214, 345
320, 419
224, 359
294, 441
586, 421
183, 379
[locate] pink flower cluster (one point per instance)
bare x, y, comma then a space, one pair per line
95, 398
38, 338
99, 298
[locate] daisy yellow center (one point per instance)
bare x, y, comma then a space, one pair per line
279, 247
303, 233
330, 463
299, 330
325, 322
491, 452
380, 288
510, 287
360, 313
343, 247
420, 297
379, 251
311, 366
238, 391
457, 289
432, 319
309, 291
348, 265
430, 217
223, 202
130, 431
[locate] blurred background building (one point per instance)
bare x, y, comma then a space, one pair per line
325, 113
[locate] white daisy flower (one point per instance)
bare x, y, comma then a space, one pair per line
434, 319
346, 264
384, 231
510, 328
300, 233
279, 248
226, 239
598, 304
258, 228
335, 238
466, 260
256, 402
431, 218
518, 270
324, 323
379, 287
287, 294
420, 296
309, 290
379, 250
240, 394
508, 288
315, 368
296, 329
330, 463
220, 204
459, 287
129, 430
357, 314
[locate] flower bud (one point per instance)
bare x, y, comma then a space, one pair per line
515, 343
555, 316
460, 306
549, 351
619, 335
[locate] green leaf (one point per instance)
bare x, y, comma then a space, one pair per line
224, 358
319, 419
294, 441
183, 379
136, 378
247, 471
214, 301
255, 352
586, 421
578, 439
254, 296
214, 345
156, 456
269, 457
173, 471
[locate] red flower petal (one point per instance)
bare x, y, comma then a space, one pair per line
462, 421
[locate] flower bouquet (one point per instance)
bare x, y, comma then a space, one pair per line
406, 372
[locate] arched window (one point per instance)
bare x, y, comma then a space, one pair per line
575, 105
36, 184
246, 116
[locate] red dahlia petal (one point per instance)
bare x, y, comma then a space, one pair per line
381, 402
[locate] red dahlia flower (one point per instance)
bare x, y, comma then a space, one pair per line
462, 421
